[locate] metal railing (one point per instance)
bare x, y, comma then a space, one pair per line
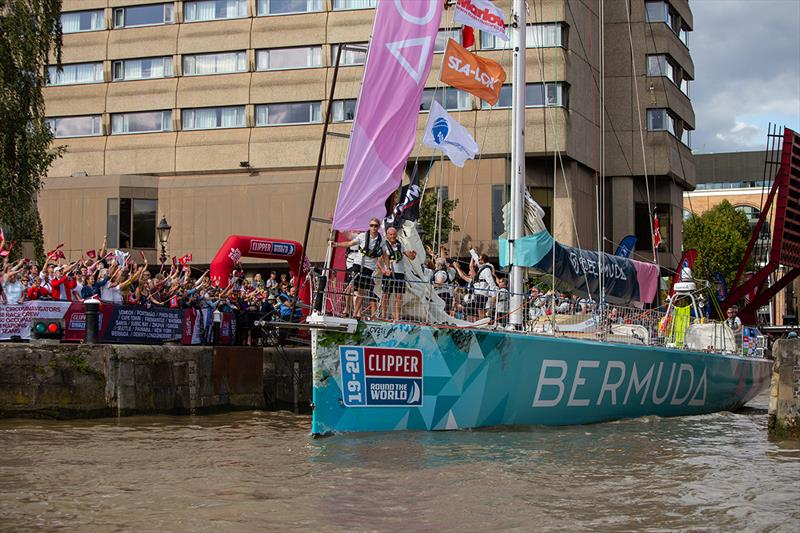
550, 314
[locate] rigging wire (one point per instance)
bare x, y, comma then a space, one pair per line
641, 133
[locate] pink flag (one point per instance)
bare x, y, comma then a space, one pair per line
91, 254
385, 125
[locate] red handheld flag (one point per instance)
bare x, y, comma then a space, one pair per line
467, 36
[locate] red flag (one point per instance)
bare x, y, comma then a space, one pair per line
4, 253
467, 36
143, 256
656, 230
687, 261
185, 259
2, 237
56, 252
92, 254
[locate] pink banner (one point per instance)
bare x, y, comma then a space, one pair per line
385, 125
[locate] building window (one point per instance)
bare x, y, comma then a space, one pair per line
141, 122
448, 98
442, 36
142, 69
288, 58
85, 126
643, 225
546, 35
344, 110
287, 7
222, 63
200, 10
353, 4
498, 201
77, 21
294, 113
146, 15
657, 11
534, 96
75, 73
661, 65
208, 118
350, 57
660, 120
544, 197
131, 223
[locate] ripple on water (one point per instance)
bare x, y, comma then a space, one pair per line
255, 471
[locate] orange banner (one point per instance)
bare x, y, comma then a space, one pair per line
479, 76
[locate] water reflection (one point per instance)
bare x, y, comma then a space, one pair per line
257, 471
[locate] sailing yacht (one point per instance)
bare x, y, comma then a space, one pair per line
433, 372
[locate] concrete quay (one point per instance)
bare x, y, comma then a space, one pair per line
784, 402
39, 380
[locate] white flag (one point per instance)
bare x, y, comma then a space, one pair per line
482, 15
446, 134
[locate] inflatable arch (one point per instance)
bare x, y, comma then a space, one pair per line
236, 247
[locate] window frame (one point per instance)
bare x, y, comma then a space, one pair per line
334, 8
342, 103
239, 53
52, 121
308, 48
563, 29
115, 224
163, 119
563, 87
335, 47
310, 103
102, 18
122, 12
242, 3
460, 94
63, 66
266, 13
184, 112
168, 60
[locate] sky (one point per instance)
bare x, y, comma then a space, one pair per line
747, 71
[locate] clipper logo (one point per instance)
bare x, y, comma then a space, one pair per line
381, 377
274, 248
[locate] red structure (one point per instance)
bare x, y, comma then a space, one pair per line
236, 247
785, 248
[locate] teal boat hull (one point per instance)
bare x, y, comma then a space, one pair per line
441, 378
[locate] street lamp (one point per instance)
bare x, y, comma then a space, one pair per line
163, 229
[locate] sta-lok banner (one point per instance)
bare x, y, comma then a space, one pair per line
477, 75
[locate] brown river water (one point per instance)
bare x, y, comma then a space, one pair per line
259, 471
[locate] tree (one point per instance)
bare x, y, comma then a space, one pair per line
428, 221
29, 31
720, 236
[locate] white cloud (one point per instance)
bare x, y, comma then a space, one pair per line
747, 68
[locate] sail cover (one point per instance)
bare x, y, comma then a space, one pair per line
625, 280
385, 124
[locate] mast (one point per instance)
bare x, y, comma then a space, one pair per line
518, 33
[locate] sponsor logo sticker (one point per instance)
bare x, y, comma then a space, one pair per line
378, 376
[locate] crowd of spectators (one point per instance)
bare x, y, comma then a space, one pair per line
471, 290
115, 277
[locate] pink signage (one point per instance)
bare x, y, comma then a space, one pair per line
385, 125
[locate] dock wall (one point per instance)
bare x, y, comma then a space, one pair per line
784, 403
79, 381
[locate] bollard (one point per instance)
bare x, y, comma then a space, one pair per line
92, 320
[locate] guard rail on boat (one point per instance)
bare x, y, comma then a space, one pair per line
545, 314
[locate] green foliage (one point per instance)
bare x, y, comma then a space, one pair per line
720, 237
427, 217
29, 31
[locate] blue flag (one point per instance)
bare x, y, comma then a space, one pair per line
626, 246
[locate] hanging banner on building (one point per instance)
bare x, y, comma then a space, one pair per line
477, 75
482, 15
15, 320
385, 124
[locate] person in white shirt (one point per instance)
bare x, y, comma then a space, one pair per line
481, 276
503, 302
13, 290
370, 248
733, 321
394, 273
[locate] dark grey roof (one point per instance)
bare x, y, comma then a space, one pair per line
730, 166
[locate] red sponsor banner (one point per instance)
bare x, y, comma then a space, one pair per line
394, 362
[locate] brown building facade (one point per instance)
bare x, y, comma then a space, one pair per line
210, 112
